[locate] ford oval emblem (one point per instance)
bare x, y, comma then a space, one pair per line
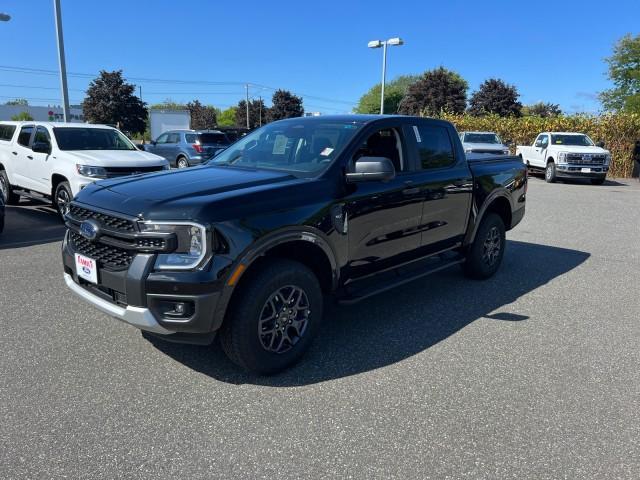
89, 229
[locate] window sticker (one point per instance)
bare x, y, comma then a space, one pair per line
326, 152
418, 138
279, 145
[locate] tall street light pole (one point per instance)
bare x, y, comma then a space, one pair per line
396, 41
61, 61
247, 105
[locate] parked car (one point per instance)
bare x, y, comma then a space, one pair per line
1, 213
247, 245
52, 162
566, 155
185, 148
483, 142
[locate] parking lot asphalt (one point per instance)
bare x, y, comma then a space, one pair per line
531, 374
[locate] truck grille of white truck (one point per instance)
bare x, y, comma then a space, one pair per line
586, 159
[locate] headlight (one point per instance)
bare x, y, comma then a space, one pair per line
91, 171
191, 249
607, 159
562, 157
506, 151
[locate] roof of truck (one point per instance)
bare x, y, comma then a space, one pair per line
57, 124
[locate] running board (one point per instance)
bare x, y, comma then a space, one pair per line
32, 195
394, 278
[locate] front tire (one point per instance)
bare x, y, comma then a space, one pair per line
273, 318
182, 162
485, 254
6, 190
62, 197
550, 175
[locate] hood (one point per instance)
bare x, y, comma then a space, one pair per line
484, 146
177, 194
114, 158
579, 149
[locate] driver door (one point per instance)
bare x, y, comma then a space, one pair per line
40, 166
383, 217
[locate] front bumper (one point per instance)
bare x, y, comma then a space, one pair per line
575, 171
143, 298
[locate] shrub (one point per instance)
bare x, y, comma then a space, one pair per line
619, 132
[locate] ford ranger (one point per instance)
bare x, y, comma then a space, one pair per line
566, 155
248, 245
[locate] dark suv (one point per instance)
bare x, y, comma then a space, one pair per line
248, 245
185, 148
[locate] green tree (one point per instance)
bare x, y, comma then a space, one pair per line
542, 109
111, 100
22, 117
258, 114
394, 92
495, 96
18, 101
203, 117
624, 72
285, 105
436, 91
227, 118
169, 104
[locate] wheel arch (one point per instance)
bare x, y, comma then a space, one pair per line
498, 203
57, 179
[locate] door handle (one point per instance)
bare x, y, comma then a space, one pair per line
30, 157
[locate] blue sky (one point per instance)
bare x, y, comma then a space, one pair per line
552, 51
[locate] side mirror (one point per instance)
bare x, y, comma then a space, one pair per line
153, 142
41, 147
371, 169
600, 144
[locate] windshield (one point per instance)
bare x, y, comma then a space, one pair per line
79, 138
294, 146
482, 138
578, 140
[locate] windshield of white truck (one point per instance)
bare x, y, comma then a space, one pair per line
79, 138
577, 140
482, 138
294, 146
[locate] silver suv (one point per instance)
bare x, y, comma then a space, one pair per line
185, 148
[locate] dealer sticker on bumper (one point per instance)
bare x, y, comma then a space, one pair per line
86, 268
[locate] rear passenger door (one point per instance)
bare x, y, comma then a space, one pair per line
23, 157
445, 183
539, 152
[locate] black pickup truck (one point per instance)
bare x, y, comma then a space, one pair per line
248, 245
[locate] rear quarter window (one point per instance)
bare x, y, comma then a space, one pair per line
6, 132
434, 146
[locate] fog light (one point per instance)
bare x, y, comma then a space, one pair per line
180, 308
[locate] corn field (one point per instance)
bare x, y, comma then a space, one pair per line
619, 132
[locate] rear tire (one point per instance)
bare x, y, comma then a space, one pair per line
6, 190
273, 318
182, 162
62, 197
598, 181
550, 175
485, 254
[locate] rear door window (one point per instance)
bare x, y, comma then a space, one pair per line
6, 132
25, 135
435, 149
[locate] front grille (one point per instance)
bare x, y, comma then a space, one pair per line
114, 172
109, 221
585, 159
107, 256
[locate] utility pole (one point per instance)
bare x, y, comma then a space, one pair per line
140, 95
61, 61
260, 97
247, 87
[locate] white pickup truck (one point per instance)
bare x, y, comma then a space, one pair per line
54, 161
566, 155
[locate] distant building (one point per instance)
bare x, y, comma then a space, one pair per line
41, 114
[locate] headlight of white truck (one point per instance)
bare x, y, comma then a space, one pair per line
607, 159
91, 171
191, 249
562, 157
